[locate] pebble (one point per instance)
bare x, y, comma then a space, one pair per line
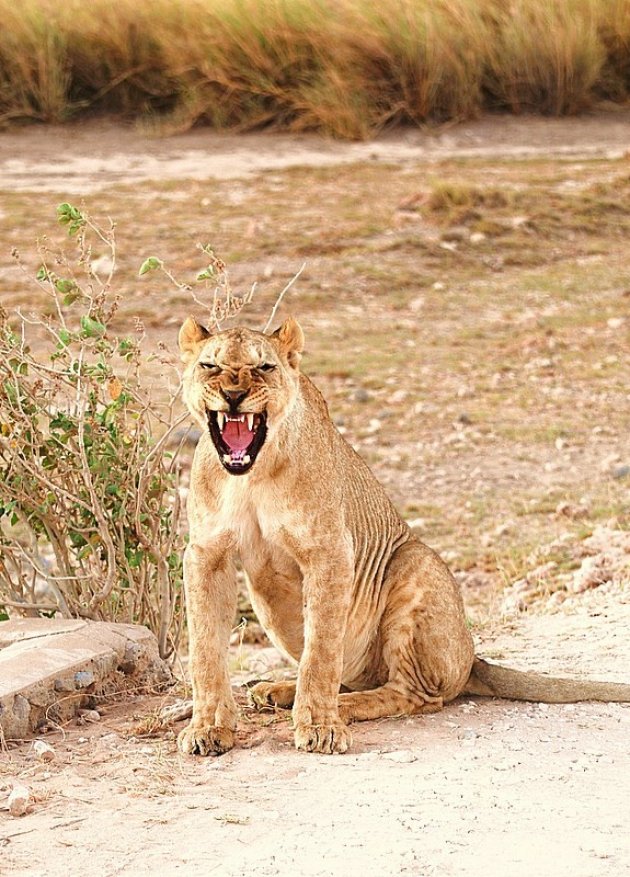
615, 322
401, 756
89, 716
44, 751
19, 800
621, 472
468, 734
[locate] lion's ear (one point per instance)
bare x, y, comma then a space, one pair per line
290, 338
191, 335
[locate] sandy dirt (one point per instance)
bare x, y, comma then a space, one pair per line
483, 788
85, 158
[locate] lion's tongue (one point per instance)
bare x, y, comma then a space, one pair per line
236, 435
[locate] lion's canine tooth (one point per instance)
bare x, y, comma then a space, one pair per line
250, 422
221, 420
246, 459
227, 458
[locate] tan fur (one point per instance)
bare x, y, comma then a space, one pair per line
337, 580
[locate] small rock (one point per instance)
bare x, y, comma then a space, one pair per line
361, 395
401, 756
83, 678
477, 237
615, 322
88, 716
64, 685
621, 472
19, 800
44, 751
439, 286
593, 572
567, 510
468, 734
21, 706
398, 396
416, 304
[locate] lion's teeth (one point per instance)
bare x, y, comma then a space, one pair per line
221, 420
227, 458
246, 459
250, 422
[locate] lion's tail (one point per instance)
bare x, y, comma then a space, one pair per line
493, 680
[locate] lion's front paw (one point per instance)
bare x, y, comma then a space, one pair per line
205, 740
323, 738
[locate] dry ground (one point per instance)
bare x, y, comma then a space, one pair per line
466, 302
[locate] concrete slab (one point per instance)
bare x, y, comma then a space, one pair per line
50, 668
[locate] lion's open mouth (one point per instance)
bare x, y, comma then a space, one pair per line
238, 438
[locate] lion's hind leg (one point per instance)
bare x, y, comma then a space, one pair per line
426, 649
384, 702
281, 694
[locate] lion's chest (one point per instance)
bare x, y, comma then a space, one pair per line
251, 514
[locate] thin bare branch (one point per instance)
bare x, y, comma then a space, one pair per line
280, 297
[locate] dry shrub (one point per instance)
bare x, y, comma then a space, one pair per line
346, 68
615, 36
34, 76
89, 490
546, 57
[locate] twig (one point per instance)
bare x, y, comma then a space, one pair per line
281, 296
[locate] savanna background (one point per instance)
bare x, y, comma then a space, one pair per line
465, 297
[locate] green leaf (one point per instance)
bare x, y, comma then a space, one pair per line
207, 274
67, 213
63, 213
92, 328
150, 264
42, 274
65, 286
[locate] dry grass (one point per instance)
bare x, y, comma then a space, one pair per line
346, 68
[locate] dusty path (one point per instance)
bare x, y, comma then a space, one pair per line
483, 789
87, 157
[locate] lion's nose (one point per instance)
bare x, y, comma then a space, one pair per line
233, 398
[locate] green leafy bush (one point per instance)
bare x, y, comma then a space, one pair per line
90, 499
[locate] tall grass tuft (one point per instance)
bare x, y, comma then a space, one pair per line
346, 68
546, 57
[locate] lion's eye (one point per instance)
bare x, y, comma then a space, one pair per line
266, 367
210, 366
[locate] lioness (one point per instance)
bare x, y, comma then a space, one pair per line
337, 579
